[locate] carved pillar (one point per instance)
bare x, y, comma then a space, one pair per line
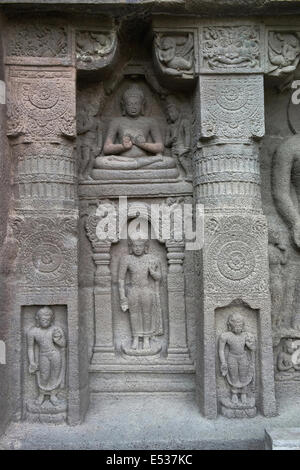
229, 112
41, 127
177, 348
104, 350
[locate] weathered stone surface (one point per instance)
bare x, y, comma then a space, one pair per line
150, 221
282, 439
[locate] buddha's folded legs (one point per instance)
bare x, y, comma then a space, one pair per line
127, 163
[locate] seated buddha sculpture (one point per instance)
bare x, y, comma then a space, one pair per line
133, 141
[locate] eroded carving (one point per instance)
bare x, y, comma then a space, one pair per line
37, 40
178, 136
89, 138
175, 53
92, 46
237, 364
283, 52
278, 257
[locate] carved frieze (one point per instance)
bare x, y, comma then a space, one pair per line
232, 106
230, 49
41, 103
47, 250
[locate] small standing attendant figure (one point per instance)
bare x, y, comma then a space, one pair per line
237, 361
46, 353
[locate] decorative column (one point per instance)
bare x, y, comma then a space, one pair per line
229, 121
177, 348
41, 127
103, 350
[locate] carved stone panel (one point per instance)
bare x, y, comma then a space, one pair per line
41, 104
47, 251
286, 344
232, 107
231, 49
236, 256
38, 42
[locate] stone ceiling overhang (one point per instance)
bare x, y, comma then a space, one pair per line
204, 8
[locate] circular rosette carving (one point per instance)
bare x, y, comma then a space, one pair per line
46, 260
231, 96
236, 260
45, 100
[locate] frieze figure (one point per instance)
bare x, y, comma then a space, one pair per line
89, 139
178, 136
287, 363
278, 257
